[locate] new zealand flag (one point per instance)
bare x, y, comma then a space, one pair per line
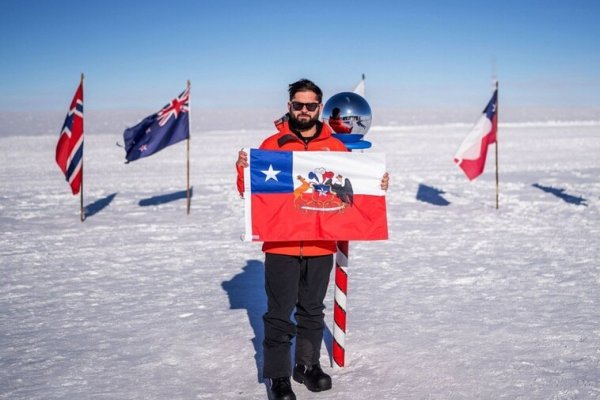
157, 131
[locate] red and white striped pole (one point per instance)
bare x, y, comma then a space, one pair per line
339, 307
341, 257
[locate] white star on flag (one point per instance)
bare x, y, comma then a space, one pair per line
270, 173
322, 192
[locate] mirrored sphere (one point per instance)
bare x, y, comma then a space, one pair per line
348, 113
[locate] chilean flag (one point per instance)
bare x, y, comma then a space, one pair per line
69, 149
471, 155
314, 195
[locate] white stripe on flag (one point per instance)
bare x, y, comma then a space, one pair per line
70, 159
364, 170
470, 148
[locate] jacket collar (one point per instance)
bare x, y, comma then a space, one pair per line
284, 130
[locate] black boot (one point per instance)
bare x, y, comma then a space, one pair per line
313, 377
281, 389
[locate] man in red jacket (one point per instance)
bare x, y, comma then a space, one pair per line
297, 272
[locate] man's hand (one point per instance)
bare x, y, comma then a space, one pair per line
242, 160
385, 181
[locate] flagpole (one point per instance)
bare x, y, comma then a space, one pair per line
188, 143
81, 213
497, 177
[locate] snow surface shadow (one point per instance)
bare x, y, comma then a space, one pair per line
560, 193
98, 205
166, 198
328, 339
431, 195
246, 291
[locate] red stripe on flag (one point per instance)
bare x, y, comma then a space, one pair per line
281, 217
474, 168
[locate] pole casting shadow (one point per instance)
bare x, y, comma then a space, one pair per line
97, 206
246, 291
560, 193
431, 195
166, 198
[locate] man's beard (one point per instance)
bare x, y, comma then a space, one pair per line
303, 125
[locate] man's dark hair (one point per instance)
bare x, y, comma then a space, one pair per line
305, 85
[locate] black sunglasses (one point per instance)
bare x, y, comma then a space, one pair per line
297, 106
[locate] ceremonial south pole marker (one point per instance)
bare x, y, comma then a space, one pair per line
349, 115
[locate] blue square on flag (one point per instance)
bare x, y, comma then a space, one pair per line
271, 171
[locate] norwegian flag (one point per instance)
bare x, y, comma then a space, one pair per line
157, 131
69, 150
472, 153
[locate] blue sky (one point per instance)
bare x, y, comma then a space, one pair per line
244, 53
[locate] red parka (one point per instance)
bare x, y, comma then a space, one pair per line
286, 140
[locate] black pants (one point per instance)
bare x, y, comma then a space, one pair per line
301, 283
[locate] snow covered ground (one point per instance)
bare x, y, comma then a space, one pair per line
142, 301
